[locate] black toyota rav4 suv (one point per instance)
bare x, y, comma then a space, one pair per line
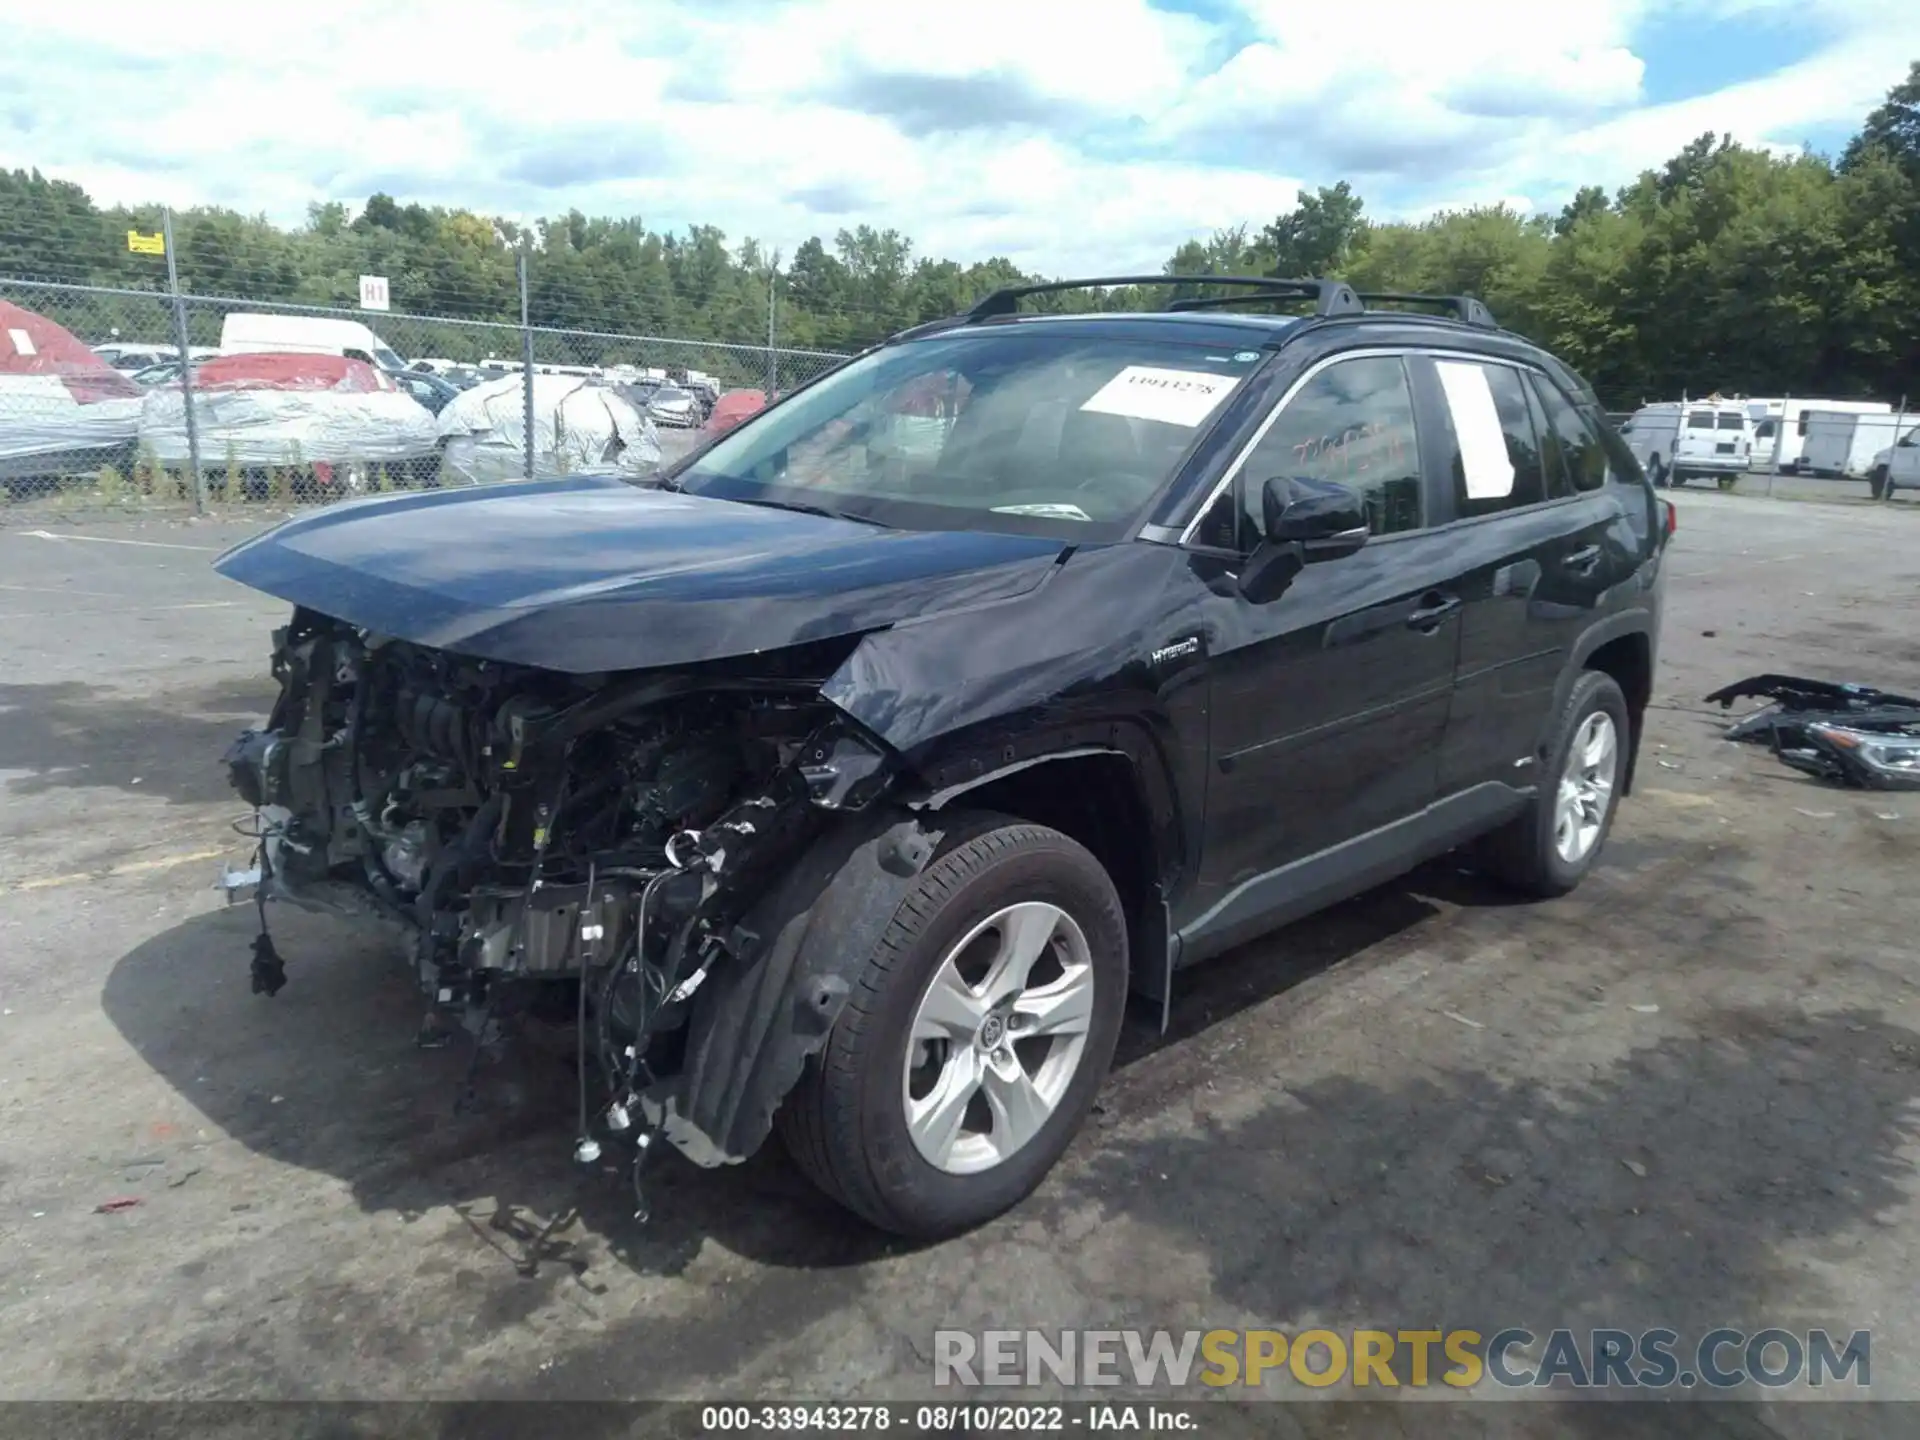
844, 777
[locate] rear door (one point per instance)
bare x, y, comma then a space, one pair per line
1531, 525
1329, 703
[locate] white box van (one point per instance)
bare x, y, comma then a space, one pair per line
247, 334
1780, 427
1842, 444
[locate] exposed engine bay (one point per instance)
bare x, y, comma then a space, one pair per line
586, 845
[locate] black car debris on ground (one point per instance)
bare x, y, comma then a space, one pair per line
846, 776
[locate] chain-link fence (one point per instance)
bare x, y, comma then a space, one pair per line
138, 397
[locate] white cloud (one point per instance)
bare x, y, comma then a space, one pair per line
1068, 134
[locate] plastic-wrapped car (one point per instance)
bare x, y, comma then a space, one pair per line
62, 408
578, 424
341, 418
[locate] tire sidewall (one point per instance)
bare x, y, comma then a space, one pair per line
1592, 691
1054, 871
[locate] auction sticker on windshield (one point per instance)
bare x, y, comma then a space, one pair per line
1173, 397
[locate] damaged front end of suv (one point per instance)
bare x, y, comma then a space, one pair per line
604, 841
582, 794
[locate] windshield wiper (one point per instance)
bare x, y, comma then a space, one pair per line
801, 507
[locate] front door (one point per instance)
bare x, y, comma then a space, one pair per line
1329, 703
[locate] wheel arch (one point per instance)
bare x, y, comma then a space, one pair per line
1119, 806
1623, 648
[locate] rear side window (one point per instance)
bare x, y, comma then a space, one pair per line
1494, 449
1700, 420
1574, 458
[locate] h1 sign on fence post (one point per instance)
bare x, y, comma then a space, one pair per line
373, 293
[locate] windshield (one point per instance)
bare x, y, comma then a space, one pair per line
386, 359
1007, 429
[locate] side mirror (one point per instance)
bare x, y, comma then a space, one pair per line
1306, 521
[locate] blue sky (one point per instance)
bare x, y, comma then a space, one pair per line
1066, 134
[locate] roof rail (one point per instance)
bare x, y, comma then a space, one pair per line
1464, 308
1330, 297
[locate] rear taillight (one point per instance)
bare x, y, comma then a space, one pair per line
1673, 516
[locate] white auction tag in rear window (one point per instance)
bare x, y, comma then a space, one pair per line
1173, 397
22, 342
1476, 424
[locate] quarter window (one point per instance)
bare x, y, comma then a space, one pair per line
1575, 460
1351, 423
1493, 446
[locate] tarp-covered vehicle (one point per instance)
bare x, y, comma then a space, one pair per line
63, 410
578, 424
333, 421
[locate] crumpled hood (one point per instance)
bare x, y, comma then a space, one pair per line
589, 574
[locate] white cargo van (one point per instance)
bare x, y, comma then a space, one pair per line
1676, 441
247, 334
1650, 432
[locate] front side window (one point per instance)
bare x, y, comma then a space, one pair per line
1733, 422
1700, 420
1066, 433
1493, 445
1351, 423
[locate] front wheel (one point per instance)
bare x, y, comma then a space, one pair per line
1549, 848
1877, 482
975, 1038
1727, 482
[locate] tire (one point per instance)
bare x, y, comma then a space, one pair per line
1877, 482
846, 1123
1658, 473
1727, 482
1525, 853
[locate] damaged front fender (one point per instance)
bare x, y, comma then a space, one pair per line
800, 949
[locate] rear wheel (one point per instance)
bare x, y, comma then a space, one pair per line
1727, 482
1877, 482
1658, 473
975, 1038
1550, 847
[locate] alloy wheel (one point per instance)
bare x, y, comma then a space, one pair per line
997, 1037
1586, 787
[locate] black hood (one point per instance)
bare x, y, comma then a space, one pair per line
591, 574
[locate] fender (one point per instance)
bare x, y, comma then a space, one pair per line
1637, 621
757, 1022
1153, 945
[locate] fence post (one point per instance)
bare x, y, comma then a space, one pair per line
773, 360
1899, 419
526, 358
1779, 444
186, 363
